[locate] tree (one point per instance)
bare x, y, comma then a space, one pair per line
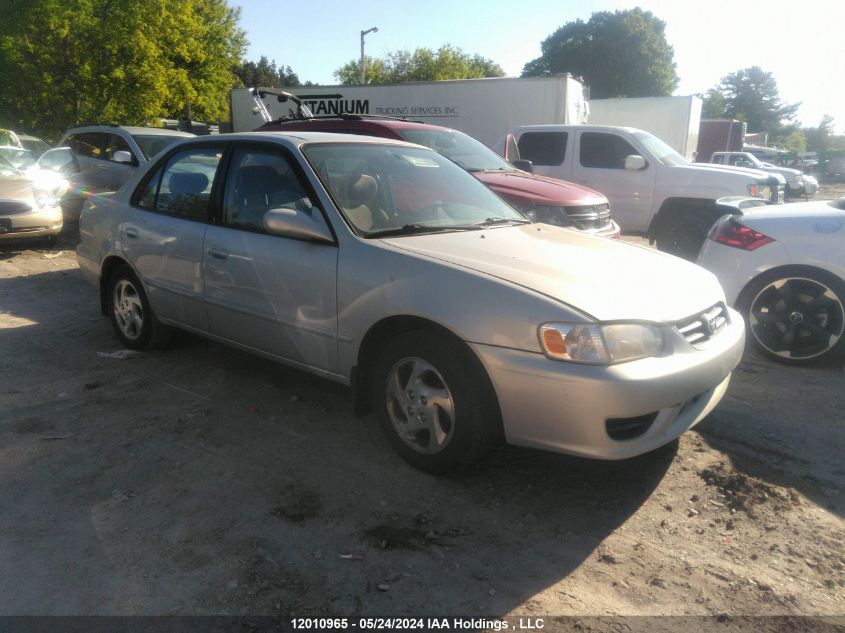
619, 54
751, 95
265, 73
424, 64
820, 139
65, 62
713, 105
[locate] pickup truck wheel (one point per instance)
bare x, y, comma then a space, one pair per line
433, 403
683, 234
796, 317
131, 316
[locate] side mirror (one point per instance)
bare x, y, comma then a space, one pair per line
122, 156
635, 162
297, 224
523, 164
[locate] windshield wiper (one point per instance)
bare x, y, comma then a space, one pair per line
414, 229
494, 221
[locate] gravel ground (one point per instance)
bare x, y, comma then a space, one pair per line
202, 480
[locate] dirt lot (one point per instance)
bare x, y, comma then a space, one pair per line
201, 480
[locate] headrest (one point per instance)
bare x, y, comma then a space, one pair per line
188, 184
360, 189
257, 179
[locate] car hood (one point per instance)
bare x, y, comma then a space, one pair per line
606, 279
758, 173
539, 189
15, 188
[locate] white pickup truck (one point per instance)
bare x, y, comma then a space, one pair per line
652, 189
797, 184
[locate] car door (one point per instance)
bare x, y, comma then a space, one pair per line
600, 165
116, 172
270, 293
164, 229
547, 151
89, 149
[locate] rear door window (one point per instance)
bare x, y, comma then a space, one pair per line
543, 148
183, 186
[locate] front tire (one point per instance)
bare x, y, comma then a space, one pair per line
796, 316
434, 402
131, 316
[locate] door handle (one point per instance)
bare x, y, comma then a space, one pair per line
102, 166
218, 253
132, 233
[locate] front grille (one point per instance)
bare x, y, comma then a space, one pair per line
14, 207
595, 216
703, 326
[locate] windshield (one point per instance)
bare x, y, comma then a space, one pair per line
457, 146
661, 150
152, 144
19, 158
383, 189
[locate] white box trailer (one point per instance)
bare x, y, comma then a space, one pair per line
675, 120
483, 108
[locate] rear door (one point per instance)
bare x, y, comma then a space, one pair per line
164, 229
547, 150
274, 294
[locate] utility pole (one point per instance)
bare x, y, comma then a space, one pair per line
363, 33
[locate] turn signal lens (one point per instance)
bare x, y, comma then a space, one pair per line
553, 342
731, 232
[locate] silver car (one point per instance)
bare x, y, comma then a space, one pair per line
384, 266
28, 207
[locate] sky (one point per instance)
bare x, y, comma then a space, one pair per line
800, 43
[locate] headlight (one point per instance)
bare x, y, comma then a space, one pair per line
46, 202
760, 191
600, 344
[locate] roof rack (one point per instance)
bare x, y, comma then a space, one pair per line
258, 94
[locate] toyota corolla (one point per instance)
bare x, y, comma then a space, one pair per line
386, 267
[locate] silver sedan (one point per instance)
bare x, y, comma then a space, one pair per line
384, 266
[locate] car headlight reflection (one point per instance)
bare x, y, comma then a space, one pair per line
600, 344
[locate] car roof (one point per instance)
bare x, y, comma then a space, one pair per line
296, 137
152, 131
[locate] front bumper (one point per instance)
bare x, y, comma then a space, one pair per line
565, 407
35, 223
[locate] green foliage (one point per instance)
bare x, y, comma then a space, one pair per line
751, 95
619, 54
65, 62
265, 73
424, 64
821, 139
713, 105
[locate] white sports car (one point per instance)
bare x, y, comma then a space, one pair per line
783, 268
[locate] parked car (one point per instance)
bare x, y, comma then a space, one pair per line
652, 189
783, 268
27, 209
103, 158
543, 199
797, 184
383, 265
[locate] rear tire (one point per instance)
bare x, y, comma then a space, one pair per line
130, 313
434, 402
796, 316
